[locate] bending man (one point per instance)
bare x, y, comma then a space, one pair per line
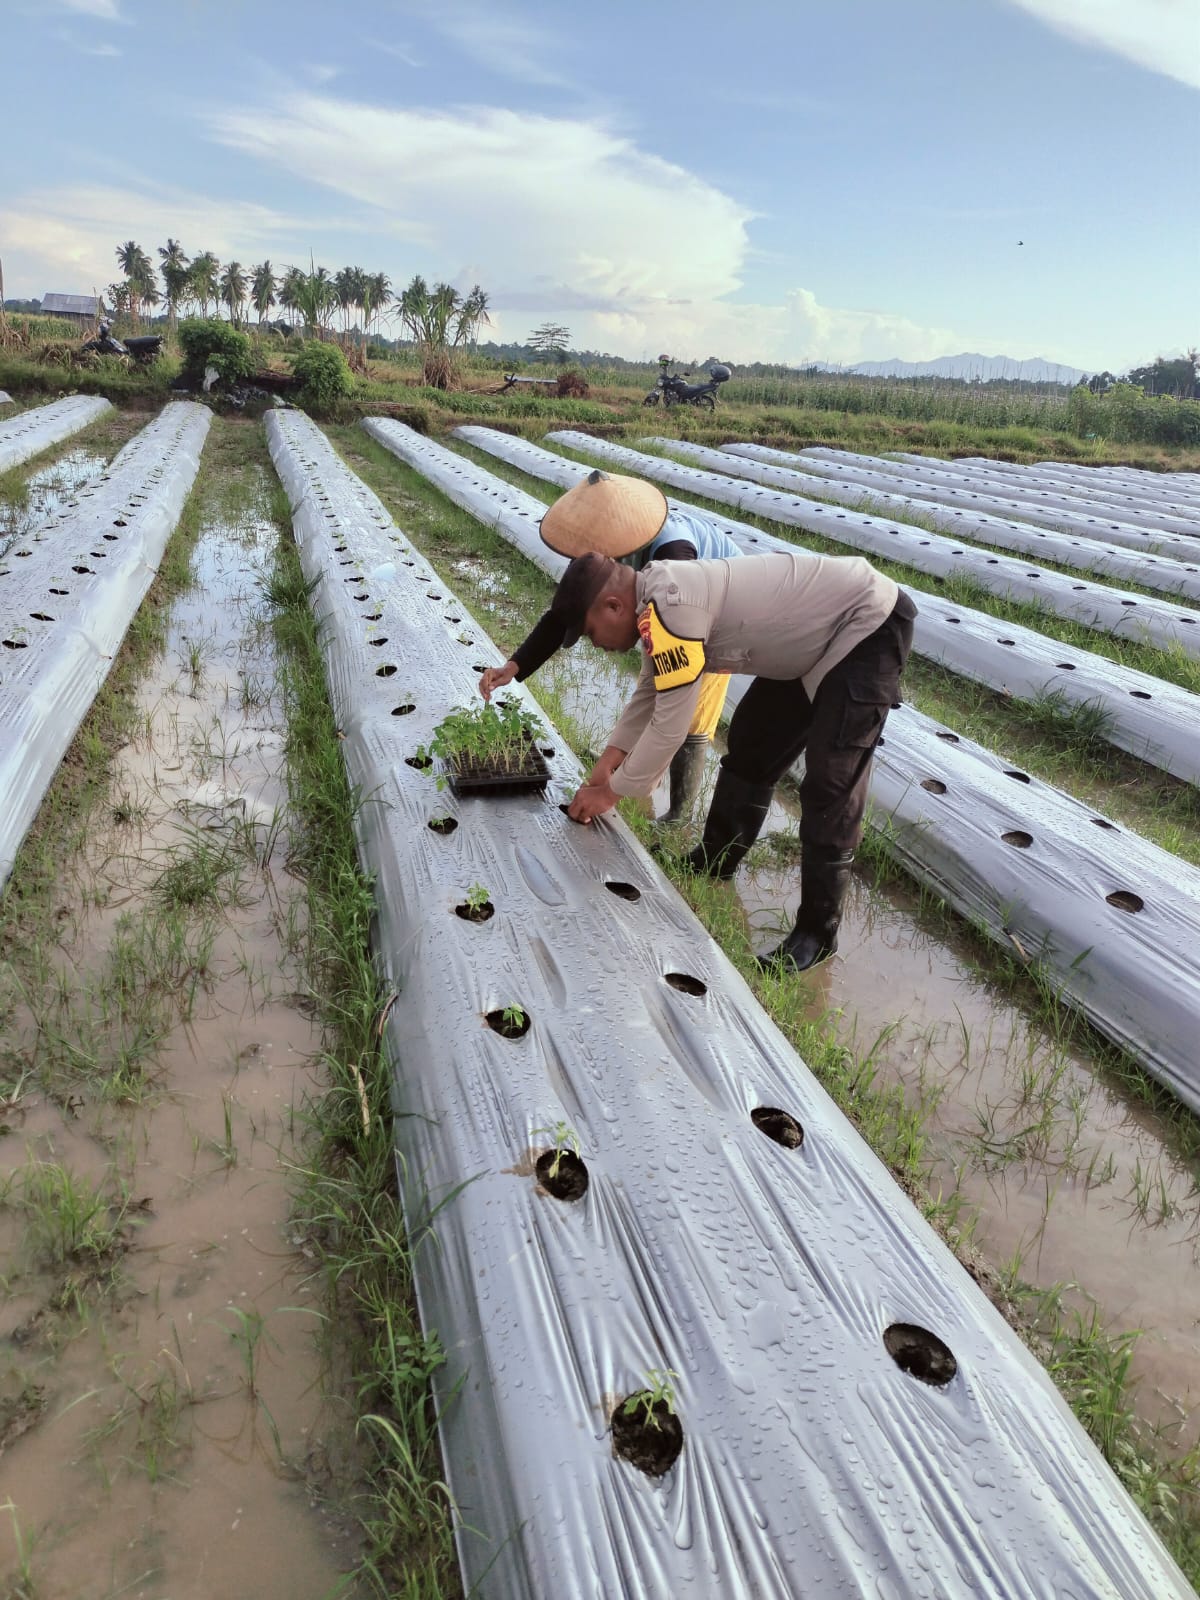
629, 520
825, 638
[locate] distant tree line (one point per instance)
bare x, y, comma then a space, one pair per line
439, 319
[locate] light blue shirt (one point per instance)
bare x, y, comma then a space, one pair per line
709, 543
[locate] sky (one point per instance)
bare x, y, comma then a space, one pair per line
780, 180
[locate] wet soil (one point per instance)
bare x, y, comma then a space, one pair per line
162, 1426
562, 1174
649, 1438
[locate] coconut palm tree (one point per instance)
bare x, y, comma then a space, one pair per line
174, 271
203, 280
289, 288
135, 264
233, 288
262, 288
376, 294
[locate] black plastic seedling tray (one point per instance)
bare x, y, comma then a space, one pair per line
469, 775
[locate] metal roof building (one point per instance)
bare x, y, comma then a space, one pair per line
84, 306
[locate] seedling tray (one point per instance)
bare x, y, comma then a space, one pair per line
471, 775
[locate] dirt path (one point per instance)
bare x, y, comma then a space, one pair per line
162, 1427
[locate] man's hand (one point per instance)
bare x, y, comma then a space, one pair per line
496, 678
593, 800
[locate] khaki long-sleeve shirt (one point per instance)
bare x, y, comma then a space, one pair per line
784, 615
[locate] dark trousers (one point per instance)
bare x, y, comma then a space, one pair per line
836, 732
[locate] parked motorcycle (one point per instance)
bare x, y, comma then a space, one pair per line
142, 349
673, 389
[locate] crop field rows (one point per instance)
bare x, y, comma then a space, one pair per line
550, 1010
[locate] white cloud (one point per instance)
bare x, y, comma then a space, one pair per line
65, 239
564, 218
505, 45
1163, 35
102, 10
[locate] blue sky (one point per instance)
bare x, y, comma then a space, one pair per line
834, 180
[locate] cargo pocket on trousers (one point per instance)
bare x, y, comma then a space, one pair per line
863, 716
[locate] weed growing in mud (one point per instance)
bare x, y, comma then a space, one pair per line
68, 1221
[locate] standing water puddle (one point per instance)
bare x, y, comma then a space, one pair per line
161, 1419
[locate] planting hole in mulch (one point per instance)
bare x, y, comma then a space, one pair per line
920, 1353
1126, 900
1103, 822
778, 1125
510, 1022
547, 750
562, 1174
1021, 777
685, 983
652, 1447
482, 911
1018, 839
404, 710
41, 616
443, 825
950, 738
385, 672
420, 762
934, 785
1065, 666
624, 891
378, 642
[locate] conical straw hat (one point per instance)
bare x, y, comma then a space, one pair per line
605, 511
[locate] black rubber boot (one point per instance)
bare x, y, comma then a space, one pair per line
687, 774
734, 821
824, 880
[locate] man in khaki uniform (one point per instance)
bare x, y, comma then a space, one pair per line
630, 520
825, 639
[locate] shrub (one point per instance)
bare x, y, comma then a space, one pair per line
209, 342
324, 376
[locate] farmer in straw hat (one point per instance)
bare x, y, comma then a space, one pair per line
825, 640
629, 520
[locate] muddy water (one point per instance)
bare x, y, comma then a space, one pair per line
47, 491
1071, 1181
162, 1431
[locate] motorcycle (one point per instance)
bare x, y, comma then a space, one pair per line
142, 349
673, 389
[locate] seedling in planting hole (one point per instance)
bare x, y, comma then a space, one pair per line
513, 1017
566, 1140
477, 898
658, 1389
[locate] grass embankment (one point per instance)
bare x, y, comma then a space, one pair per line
1088, 1361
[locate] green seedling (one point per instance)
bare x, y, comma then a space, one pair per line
566, 1140
513, 1017
659, 1389
477, 898
497, 736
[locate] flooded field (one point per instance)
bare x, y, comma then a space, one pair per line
166, 1429
162, 1425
